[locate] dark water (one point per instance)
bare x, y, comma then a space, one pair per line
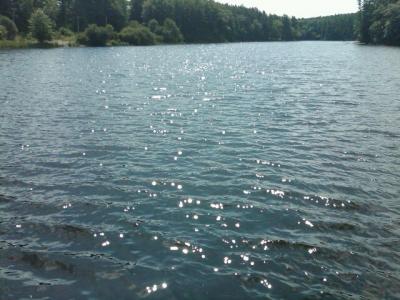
238, 171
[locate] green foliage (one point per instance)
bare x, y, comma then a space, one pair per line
50, 8
380, 22
96, 35
209, 21
40, 26
3, 32
116, 13
338, 27
158, 10
136, 10
117, 42
154, 26
81, 38
78, 14
287, 34
17, 43
18, 11
10, 28
65, 32
392, 26
170, 33
21, 10
196, 21
137, 34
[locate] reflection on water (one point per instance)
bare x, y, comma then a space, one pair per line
237, 171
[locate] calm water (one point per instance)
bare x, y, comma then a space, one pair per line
237, 171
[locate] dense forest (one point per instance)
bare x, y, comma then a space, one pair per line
331, 28
380, 22
145, 22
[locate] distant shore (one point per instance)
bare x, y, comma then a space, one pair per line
22, 43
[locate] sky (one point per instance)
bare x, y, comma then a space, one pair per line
299, 8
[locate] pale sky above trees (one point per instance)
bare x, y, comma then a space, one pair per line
299, 8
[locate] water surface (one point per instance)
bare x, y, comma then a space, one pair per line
236, 171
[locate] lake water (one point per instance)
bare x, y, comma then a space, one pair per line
234, 171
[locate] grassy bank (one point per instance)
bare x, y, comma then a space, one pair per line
22, 43
17, 43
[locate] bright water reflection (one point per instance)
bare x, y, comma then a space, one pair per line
237, 171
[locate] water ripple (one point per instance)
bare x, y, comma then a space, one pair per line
201, 173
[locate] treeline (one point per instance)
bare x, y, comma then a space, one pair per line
380, 22
331, 28
96, 22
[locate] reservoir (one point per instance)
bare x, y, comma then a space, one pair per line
231, 171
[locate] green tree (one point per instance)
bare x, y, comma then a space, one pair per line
116, 13
40, 26
65, 32
380, 22
136, 10
171, 33
154, 26
137, 34
97, 35
11, 29
158, 9
287, 34
338, 27
391, 33
3, 32
276, 31
50, 8
196, 21
366, 20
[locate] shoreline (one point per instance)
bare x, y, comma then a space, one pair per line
31, 44
21, 43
